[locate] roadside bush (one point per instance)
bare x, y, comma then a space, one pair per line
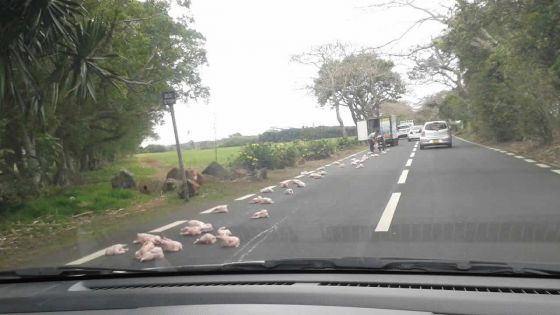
345, 143
319, 149
280, 155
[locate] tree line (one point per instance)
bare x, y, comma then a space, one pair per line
81, 82
501, 61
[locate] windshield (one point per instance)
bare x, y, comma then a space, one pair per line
435, 126
156, 134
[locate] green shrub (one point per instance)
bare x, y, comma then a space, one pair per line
319, 149
345, 143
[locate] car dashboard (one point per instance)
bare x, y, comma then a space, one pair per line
284, 293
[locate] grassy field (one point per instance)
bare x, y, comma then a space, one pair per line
197, 159
95, 194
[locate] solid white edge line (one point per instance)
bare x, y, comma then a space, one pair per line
387, 216
409, 162
529, 160
542, 165
412, 154
87, 258
402, 178
167, 227
556, 171
244, 197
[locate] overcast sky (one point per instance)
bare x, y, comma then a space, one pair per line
252, 82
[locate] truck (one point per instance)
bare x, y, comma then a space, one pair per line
387, 125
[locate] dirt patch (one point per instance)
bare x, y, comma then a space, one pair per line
159, 167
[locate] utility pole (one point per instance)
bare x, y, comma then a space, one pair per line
169, 100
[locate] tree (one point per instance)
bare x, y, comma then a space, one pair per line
325, 59
362, 83
80, 82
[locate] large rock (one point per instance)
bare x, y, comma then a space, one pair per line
150, 187
189, 173
216, 170
123, 180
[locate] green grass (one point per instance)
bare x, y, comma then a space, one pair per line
197, 159
94, 194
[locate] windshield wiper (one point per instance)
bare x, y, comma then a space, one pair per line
372, 264
63, 272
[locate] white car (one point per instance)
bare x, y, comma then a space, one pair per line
414, 133
435, 133
403, 130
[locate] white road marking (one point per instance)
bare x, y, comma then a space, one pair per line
269, 187
509, 153
519, 157
87, 258
412, 154
245, 197
409, 162
402, 178
299, 176
387, 216
556, 171
502, 151
414, 150
167, 227
542, 165
529, 160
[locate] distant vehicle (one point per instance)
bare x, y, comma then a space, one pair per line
404, 127
387, 126
414, 133
388, 129
435, 133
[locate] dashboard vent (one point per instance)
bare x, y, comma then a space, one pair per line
190, 284
443, 287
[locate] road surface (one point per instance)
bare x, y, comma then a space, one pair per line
467, 202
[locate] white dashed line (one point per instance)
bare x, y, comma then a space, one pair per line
412, 154
409, 162
245, 197
414, 150
387, 216
269, 187
542, 165
87, 258
529, 160
556, 171
519, 157
509, 153
299, 176
167, 227
402, 178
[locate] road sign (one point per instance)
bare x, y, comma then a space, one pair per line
169, 98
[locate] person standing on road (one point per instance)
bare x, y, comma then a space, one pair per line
371, 141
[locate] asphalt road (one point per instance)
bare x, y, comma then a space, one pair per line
467, 202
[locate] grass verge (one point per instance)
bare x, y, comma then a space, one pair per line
21, 243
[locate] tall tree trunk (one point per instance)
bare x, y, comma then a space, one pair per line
340, 122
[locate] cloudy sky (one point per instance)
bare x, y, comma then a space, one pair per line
252, 82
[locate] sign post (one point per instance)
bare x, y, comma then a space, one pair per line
169, 100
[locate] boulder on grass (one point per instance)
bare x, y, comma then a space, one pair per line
216, 170
150, 187
123, 180
189, 173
